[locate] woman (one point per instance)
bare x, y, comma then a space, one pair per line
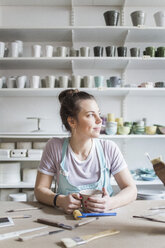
82, 161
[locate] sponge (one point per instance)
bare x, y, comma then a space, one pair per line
77, 213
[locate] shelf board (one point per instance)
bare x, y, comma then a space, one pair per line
128, 3
102, 136
113, 34
43, 92
20, 159
92, 63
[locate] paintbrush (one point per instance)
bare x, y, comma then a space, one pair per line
20, 238
71, 242
23, 209
78, 215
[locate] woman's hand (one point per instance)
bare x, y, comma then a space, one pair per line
101, 205
69, 202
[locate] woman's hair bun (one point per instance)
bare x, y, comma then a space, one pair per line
67, 93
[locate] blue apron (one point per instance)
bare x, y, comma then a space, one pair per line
65, 187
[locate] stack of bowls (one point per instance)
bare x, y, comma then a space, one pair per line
111, 128
138, 127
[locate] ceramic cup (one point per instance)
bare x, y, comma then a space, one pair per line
111, 17
88, 81
84, 51
11, 82
99, 80
150, 130
73, 52
50, 81
49, 51
36, 51
160, 52
76, 81
150, 51
85, 194
111, 127
14, 49
111, 117
122, 51
21, 81
135, 52
110, 51
62, 51
20, 47
114, 81
123, 130
160, 84
160, 18
98, 51
2, 49
63, 81
35, 82
1, 82
138, 18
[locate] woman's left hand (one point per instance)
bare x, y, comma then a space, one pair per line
94, 204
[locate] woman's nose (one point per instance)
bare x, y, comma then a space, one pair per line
98, 120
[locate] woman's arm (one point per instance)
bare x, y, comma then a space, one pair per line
45, 195
127, 194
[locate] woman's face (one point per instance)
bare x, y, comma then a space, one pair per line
88, 120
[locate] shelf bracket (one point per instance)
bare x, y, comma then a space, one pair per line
73, 38
72, 16
126, 37
73, 66
123, 74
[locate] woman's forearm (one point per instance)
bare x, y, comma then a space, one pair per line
44, 195
124, 197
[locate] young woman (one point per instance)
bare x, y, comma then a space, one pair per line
82, 161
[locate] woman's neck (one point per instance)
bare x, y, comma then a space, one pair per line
81, 147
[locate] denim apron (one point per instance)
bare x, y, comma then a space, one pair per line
65, 188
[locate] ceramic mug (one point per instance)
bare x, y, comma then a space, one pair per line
21, 81
98, 51
63, 81
150, 51
11, 82
84, 51
2, 49
135, 52
88, 81
76, 81
36, 51
122, 51
62, 51
138, 18
35, 82
160, 18
20, 47
49, 51
14, 49
111, 17
85, 194
114, 81
110, 51
50, 81
99, 80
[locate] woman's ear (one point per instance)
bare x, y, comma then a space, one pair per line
71, 122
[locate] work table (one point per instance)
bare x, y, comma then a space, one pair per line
133, 232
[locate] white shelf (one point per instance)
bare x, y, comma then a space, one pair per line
92, 63
112, 34
102, 136
20, 159
95, 91
83, 3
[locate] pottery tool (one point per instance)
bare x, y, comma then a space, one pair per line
148, 218
61, 225
54, 223
157, 208
78, 215
6, 221
71, 242
38, 235
21, 216
147, 155
17, 233
23, 209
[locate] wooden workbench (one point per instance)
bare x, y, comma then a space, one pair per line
134, 233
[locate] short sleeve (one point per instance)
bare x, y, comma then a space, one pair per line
50, 157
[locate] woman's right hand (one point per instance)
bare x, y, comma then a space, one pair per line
69, 202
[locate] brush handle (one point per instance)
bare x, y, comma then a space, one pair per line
88, 238
84, 215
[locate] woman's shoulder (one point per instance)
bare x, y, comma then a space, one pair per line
108, 143
55, 143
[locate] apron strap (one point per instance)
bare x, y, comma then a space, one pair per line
101, 159
64, 149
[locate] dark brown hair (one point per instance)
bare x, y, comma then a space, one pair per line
70, 107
